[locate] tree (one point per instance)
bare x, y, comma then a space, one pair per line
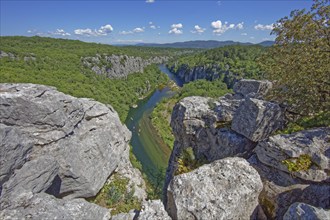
299, 62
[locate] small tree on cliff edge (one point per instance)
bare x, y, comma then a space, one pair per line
299, 62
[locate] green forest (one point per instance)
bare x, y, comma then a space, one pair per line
235, 61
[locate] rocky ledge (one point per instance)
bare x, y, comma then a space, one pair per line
243, 125
55, 149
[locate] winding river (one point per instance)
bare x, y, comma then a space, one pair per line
148, 147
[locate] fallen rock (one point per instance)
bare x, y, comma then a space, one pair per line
252, 88
304, 211
85, 137
312, 144
153, 210
44, 206
257, 119
224, 189
35, 176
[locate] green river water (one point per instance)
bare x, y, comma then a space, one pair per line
148, 147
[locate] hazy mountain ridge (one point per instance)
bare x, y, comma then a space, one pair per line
205, 44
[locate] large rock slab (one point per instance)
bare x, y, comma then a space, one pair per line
225, 189
35, 176
252, 88
85, 137
257, 119
312, 143
304, 211
44, 206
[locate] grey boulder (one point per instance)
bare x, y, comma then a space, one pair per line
304, 211
312, 143
225, 189
252, 88
85, 137
257, 119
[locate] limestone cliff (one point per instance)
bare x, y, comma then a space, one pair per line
119, 66
208, 72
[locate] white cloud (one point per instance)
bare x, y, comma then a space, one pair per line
261, 27
252, 37
152, 26
176, 29
125, 32
86, 32
220, 28
60, 32
244, 34
198, 30
150, 1
138, 30
240, 26
102, 31
106, 29
177, 26
135, 30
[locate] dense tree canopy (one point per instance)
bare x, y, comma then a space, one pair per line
299, 62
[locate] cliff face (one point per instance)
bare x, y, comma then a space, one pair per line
55, 146
119, 66
242, 125
208, 72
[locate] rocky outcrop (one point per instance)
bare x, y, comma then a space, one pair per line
60, 145
224, 189
257, 119
305, 212
293, 168
44, 206
27, 57
85, 137
313, 144
119, 66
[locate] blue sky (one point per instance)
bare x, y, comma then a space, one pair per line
148, 21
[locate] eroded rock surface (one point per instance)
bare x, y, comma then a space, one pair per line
224, 189
257, 119
313, 144
153, 210
85, 137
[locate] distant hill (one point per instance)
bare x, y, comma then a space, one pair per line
267, 43
205, 44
